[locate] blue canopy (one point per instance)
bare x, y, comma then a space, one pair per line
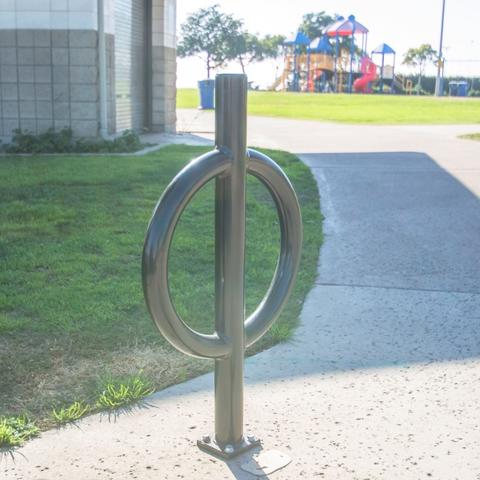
320, 45
383, 49
299, 39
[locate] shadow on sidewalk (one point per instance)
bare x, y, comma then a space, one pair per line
399, 273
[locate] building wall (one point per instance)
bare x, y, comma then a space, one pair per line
110, 64
48, 66
164, 66
49, 75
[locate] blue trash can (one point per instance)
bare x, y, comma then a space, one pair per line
462, 89
453, 88
207, 94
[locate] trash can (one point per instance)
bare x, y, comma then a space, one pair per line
462, 89
453, 88
207, 94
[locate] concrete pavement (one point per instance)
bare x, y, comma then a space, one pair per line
382, 379
459, 157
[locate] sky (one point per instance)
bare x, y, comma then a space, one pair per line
400, 23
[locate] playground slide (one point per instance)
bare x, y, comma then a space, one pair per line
279, 80
369, 70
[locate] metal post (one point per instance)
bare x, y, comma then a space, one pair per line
352, 52
308, 72
382, 71
393, 74
337, 52
294, 71
231, 138
439, 80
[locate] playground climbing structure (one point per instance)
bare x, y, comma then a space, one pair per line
337, 62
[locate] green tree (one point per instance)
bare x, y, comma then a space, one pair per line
249, 48
314, 24
419, 58
210, 35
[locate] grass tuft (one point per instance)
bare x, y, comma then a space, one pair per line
16, 430
118, 393
70, 414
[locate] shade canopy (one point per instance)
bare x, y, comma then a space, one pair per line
299, 39
320, 45
384, 49
345, 28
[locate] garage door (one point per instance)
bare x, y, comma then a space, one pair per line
130, 68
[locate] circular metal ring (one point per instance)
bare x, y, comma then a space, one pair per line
160, 233
291, 234
155, 258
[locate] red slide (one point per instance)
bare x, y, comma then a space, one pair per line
369, 70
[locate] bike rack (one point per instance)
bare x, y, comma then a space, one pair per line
228, 164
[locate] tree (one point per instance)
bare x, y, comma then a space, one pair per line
249, 48
210, 35
313, 24
419, 58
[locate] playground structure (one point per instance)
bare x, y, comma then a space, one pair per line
335, 63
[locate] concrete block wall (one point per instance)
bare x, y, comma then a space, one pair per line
164, 66
49, 74
48, 66
110, 61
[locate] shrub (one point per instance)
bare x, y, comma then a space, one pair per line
62, 141
15, 430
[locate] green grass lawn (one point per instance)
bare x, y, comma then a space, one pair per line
372, 109
72, 313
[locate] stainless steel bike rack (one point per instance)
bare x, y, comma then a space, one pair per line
228, 164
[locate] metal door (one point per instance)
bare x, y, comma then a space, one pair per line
130, 64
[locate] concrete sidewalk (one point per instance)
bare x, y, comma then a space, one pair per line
382, 379
459, 157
